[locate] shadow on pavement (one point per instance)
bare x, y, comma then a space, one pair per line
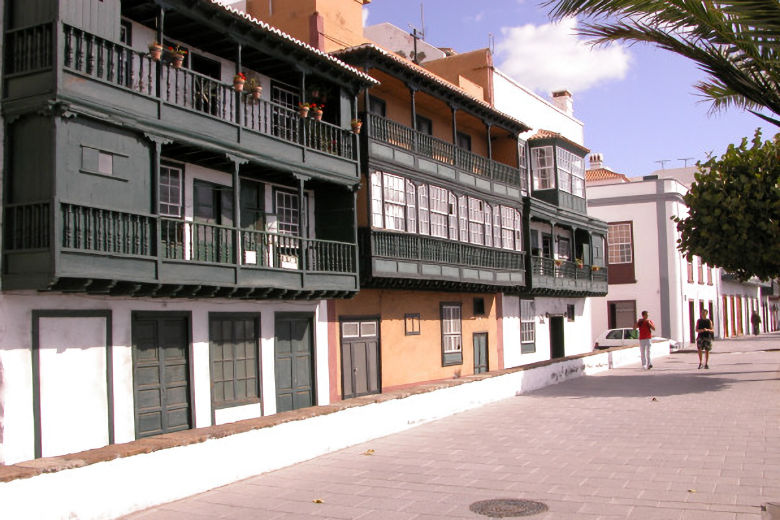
655, 383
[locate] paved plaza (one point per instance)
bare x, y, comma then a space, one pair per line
671, 443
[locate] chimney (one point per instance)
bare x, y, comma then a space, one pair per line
563, 101
596, 161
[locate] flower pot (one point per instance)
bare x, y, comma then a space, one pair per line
155, 52
178, 61
318, 115
238, 85
256, 93
303, 111
356, 127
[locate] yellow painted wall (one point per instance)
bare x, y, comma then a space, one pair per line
406, 359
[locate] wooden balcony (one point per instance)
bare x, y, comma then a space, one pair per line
566, 278
92, 249
425, 146
110, 76
417, 261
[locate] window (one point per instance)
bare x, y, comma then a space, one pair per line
376, 200
564, 248
522, 163
700, 270
464, 141
252, 205
527, 327
619, 244
570, 312
507, 227
394, 202
488, 214
476, 221
439, 211
377, 106
212, 203
571, 173
690, 270
170, 191
412, 324
424, 227
479, 306
126, 32
463, 218
234, 353
96, 161
543, 168
287, 213
452, 347
424, 125
709, 275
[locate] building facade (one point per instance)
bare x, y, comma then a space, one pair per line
171, 234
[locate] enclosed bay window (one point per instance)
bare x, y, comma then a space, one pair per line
543, 168
425, 218
463, 218
439, 211
571, 173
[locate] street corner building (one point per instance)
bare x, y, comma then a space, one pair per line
208, 219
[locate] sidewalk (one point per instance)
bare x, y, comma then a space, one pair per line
670, 443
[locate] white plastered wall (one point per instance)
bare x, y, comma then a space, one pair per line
16, 362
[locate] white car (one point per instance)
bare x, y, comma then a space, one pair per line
621, 337
616, 338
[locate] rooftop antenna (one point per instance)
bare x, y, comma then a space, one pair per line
663, 162
418, 34
685, 160
491, 43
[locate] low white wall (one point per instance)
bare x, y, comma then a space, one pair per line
92, 492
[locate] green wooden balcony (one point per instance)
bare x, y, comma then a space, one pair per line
399, 136
92, 249
120, 78
563, 277
423, 261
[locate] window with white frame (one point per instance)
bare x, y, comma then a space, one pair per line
543, 167
619, 243
452, 345
507, 227
170, 191
571, 173
288, 213
376, 200
463, 218
527, 326
394, 192
411, 207
453, 216
522, 161
488, 214
439, 211
518, 231
424, 217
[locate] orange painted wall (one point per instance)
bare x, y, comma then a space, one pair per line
475, 65
342, 20
406, 360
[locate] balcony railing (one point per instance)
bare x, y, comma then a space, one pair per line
127, 68
28, 49
103, 231
430, 249
543, 266
398, 135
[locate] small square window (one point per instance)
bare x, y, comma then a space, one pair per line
105, 163
412, 324
479, 306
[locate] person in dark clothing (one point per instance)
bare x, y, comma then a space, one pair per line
704, 339
755, 320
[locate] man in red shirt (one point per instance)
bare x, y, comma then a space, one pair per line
646, 328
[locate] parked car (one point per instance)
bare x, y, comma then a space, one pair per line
616, 338
620, 337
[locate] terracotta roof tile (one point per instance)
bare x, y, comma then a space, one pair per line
603, 174
548, 134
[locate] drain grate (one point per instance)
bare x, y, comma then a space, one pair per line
507, 507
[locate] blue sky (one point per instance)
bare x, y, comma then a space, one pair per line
638, 103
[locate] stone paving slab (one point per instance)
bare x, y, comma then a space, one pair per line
671, 443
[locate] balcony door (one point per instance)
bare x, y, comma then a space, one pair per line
213, 214
205, 84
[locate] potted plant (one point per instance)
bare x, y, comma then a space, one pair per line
580, 263
595, 267
177, 56
303, 109
558, 262
256, 89
357, 124
155, 50
238, 82
316, 111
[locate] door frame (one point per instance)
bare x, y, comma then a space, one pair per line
36, 368
378, 319
487, 350
190, 368
312, 323
563, 336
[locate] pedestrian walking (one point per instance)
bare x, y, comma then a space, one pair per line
646, 328
755, 320
704, 338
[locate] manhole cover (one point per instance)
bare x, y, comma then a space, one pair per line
507, 507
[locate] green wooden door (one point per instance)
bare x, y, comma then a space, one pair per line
161, 373
294, 361
480, 352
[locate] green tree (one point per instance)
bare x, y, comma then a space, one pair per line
735, 42
734, 210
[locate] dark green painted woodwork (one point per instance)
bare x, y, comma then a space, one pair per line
161, 373
333, 213
100, 17
480, 342
24, 13
32, 141
234, 347
360, 363
294, 361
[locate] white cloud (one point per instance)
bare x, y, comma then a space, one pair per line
551, 57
